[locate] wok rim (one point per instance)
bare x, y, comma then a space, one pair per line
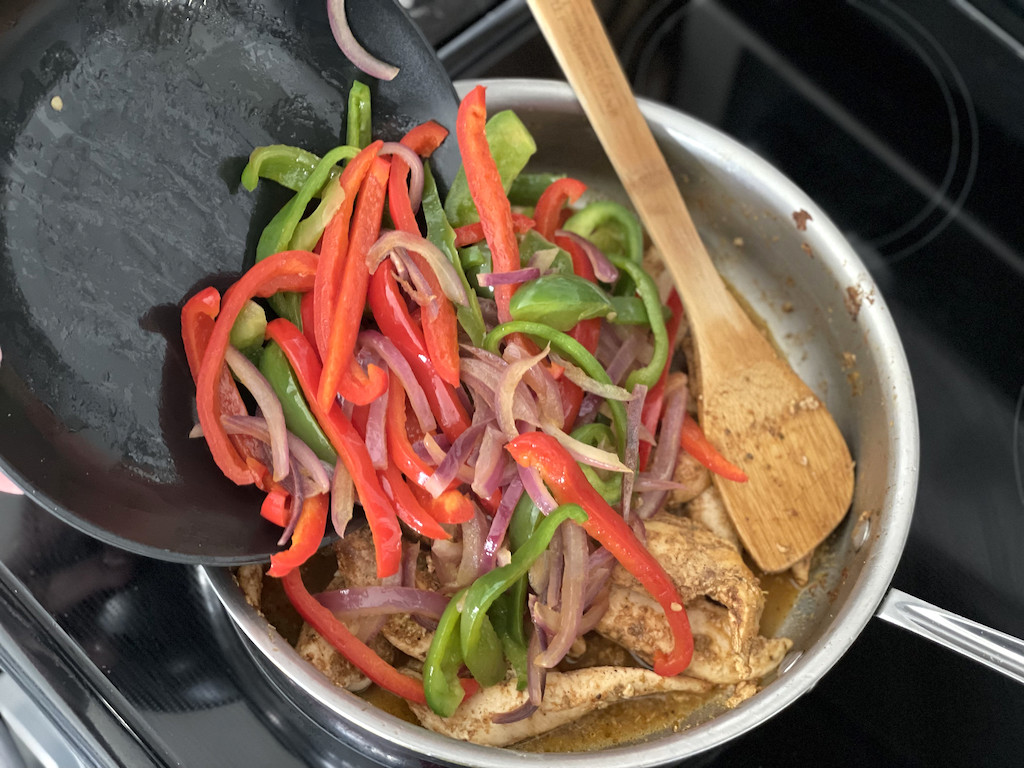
846, 624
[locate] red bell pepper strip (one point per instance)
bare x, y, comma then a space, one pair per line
488, 193
334, 246
468, 234
339, 374
423, 140
275, 507
347, 644
440, 327
586, 332
408, 507
569, 485
308, 315
306, 537
452, 506
380, 514
548, 212
287, 271
694, 442
400, 450
197, 319
392, 315
650, 413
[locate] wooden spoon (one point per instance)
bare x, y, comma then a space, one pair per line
753, 407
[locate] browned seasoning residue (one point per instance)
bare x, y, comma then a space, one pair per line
801, 218
849, 360
853, 300
806, 248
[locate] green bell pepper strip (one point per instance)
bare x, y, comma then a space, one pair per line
357, 118
527, 188
602, 215
532, 242
288, 166
576, 353
600, 436
560, 301
511, 147
648, 290
507, 616
481, 594
615, 230
631, 310
247, 332
297, 416
441, 234
441, 686
525, 518
278, 233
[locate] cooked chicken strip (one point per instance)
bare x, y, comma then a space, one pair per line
402, 630
709, 510
692, 475
356, 568
250, 581
567, 697
322, 655
728, 646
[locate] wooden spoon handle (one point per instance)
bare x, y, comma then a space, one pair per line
577, 37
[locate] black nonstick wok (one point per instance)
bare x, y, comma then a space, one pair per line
124, 126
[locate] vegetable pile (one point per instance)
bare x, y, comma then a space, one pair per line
487, 378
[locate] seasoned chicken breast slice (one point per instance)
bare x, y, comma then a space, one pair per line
722, 597
567, 697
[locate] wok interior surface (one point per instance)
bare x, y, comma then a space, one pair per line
124, 127
820, 306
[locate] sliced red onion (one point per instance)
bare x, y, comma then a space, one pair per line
534, 488
632, 453
505, 391
445, 557
604, 270
578, 377
448, 469
499, 524
254, 381
587, 454
540, 380
624, 357
536, 675
397, 363
474, 534
645, 484
490, 463
376, 440
343, 498
306, 460
447, 277
664, 455
354, 52
536, 680
415, 163
575, 554
377, 600
490, 279
543, 259
409, 275
298, 498
483, 378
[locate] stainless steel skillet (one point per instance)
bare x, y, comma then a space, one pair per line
821, 305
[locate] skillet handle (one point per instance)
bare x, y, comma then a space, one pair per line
997, 650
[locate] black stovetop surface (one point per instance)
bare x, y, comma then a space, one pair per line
906, 123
